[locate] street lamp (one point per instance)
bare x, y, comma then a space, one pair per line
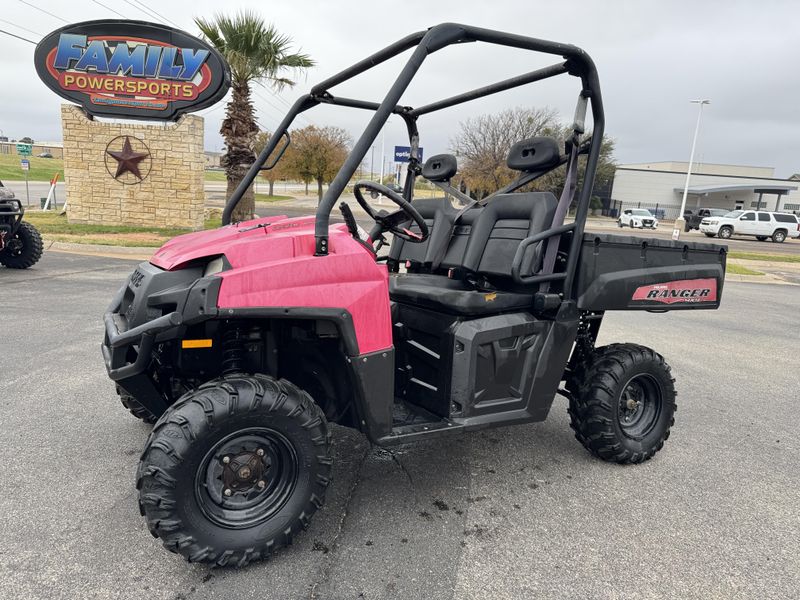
680, 222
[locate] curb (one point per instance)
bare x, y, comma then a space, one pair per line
125, 252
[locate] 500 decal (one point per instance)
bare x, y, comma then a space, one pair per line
132, 69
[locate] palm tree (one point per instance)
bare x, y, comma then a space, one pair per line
256, 52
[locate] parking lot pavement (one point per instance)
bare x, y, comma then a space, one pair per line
520, 512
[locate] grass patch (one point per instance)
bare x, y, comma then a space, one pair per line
275, 198
734, 269
215, 176
786, 258
42, 169
55, 227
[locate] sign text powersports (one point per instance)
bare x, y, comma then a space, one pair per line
132, 69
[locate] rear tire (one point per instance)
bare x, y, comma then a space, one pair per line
23, 249
725, 232
193, 489
622, 403
779, 236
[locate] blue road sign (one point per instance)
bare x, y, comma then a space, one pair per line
402, 154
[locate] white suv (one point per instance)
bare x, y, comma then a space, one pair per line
637, 217
761, 224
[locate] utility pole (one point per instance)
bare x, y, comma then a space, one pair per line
680, 222
372, 164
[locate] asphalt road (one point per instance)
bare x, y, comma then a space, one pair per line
520, 512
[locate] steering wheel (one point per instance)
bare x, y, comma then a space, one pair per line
391, 222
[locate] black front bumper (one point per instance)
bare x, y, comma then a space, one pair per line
153, 306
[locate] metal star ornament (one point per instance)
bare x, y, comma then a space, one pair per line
128, 160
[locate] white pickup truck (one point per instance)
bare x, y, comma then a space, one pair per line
760, 224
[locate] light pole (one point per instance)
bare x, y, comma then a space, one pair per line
372, 164
680, 222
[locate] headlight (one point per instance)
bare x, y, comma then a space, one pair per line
214, 266
713, 222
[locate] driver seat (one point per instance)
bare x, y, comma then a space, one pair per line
494, 238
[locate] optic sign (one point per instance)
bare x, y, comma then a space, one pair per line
402, 154
132, 69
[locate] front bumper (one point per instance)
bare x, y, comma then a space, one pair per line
709, 228
153, 306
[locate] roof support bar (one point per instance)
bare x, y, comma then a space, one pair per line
500, 86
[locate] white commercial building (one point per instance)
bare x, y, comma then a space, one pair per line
659, 187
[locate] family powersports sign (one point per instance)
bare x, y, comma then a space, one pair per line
132, 69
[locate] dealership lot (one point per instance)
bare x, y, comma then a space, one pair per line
509, 513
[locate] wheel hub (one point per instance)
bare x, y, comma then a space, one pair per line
246, 477
639, 406
245, 470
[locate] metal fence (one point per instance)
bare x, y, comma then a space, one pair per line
613, 208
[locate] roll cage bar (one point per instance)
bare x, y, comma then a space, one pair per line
576, 63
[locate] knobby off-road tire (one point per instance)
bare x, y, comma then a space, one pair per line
23, 249
622, 403
135, 408
187, 477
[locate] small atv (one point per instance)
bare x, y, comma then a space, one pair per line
20, 242
243, 343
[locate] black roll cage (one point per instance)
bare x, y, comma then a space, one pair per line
576, 63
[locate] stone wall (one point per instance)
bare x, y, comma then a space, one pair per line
163, 186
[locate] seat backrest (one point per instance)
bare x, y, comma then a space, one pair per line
503, 223
416, 252
457, 245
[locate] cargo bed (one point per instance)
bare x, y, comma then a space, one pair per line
621, 272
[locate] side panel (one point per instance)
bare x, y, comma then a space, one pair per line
507, 368
628, 273
493, 363
347, 279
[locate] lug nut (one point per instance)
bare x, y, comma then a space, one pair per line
260, 452
262, 484
227, 492
226, 460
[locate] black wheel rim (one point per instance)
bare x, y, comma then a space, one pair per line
246, 477
639, 406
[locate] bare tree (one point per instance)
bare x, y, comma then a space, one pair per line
484, 141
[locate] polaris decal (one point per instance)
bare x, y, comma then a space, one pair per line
687, 291
131, 69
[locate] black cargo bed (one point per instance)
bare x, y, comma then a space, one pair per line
621, 272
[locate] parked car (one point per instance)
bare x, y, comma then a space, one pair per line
637, 217
44, 155
693, 218
760, 224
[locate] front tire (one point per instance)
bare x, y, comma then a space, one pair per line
136, 408
23, 249
725, 232
622, 403
235, 469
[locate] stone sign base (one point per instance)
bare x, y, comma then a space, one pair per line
133, 174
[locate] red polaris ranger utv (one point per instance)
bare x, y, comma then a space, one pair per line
241, 344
